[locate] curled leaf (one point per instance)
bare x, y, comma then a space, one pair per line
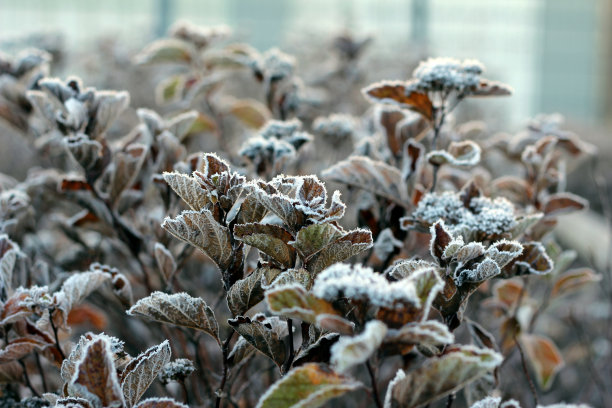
351, 351
544, 357
141, 371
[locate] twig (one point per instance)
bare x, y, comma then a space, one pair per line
27, 379
42, 372
451, 398
524, 364
225, 351
57, 344
290, 357
375, 394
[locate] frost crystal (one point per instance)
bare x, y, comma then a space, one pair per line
482, 214
386, 243
176, 370
445, 74
361, 283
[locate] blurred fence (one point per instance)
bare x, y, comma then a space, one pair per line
553, 52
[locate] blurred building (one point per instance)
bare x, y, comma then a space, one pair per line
553, 52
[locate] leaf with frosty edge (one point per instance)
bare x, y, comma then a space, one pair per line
293, 301
141, 371
247, 292
265, 334
272, 240
348, 352
308, 386
179, 309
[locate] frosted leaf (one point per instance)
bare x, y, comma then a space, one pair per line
272, 240
127, 167
8, 256
485, 270
504, 251
453, 247
335, 323
179, 309
241, 351
293, 301
141, 371
428, 332
405, 268
201, 230
308, 386
247, 292
469, 252
160, 403
462, 154
78, 286
335, 127
189, 189
363, 284
345, 247
386, 243
19, 348
440, 376
87, 152
318, 350
165, 51
563, 203
440, 239
290, 276
265, 334
95, 378
348, 352
311, 239
400, 93
373, 176
488, 402
176, 370
533, 260
165, 261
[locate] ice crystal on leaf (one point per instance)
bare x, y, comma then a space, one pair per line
176, 370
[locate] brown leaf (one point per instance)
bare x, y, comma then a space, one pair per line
544, 357
491, 88
247, 292
440, 238
293, 301
141, 371
18, 348
201, 230
397, 92
265, 334
373, 176
179, 309
508, 291
564, 203
350, 244
189, 189
574, 279
96, 377
533, 260
165, 261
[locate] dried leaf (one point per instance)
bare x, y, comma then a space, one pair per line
464, 153
242, 350
252, 113
544, 357
8, 256
308, 386
201, 230
351, 351
179, 309
189, 189
141, 371
564, 203
18, 348
487, 87
373, 176
574, 279
293, 301
350, 244
272, 240
317, 352
78, 286
533, 260
311, 239
440, 376
398, 93
95, 378
265, 334
440, 238
165, 261
508, 291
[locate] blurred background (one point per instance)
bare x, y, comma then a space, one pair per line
555, 53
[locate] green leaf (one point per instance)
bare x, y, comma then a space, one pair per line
311, 239
308, 386
350, 244
440, 376
272, 240
170, 90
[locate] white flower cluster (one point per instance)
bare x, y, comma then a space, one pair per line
482, 214
176, 370
357, 282
446, 74
336, 126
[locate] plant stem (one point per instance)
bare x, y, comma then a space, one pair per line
375, 394
185, 393
225, 351
57, 344
27, 379
42, 372
289, 360
449, 401
524, 364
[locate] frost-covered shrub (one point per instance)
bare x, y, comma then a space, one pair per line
413, 282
